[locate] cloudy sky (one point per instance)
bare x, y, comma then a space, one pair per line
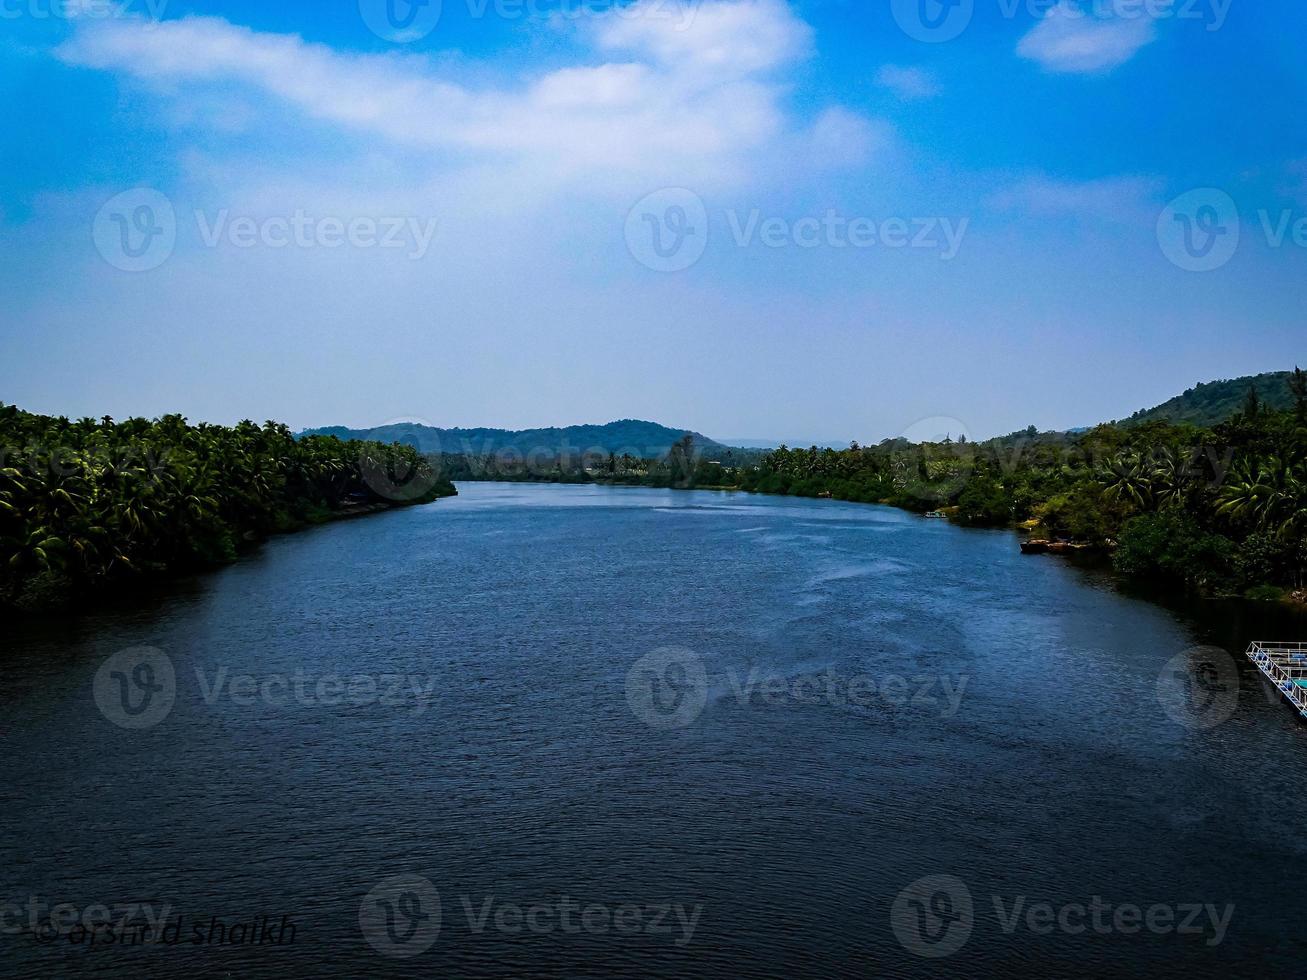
756, 218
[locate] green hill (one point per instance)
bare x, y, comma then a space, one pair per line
1216, 401
639, 438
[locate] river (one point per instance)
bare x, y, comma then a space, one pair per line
590, 732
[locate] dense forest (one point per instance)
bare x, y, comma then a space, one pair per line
90, 505
1213, 402
1220, 509
627, 436
688, 463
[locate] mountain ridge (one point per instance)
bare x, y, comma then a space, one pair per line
1206, 404
1213, 402
639, 437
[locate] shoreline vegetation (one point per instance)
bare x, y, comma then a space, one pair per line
92, 507
1216, 510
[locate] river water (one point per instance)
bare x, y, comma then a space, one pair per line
584, 732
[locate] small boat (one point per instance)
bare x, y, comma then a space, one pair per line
1068, 547
937, 515
1042, 546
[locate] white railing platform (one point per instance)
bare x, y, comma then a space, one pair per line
1283, 664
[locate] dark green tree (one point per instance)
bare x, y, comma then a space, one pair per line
1252, 404
1298, 385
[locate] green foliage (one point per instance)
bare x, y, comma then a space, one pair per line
686, 464
986, 502
1252, 404
1171, 546
1298, 387
1220, 509
1083, 513
1267, 556
1265, 593
88, 504
639, 438
1217, 401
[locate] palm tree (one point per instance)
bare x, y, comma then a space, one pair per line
103, 499
1298, 385
1172, 477
1269, 494
1127, 478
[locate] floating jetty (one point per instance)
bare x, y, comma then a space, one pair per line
1285, 666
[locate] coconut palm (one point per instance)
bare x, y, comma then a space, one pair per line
1269, 494
1173, 476
87, 501
1127, 478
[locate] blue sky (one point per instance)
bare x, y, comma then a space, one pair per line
819, 219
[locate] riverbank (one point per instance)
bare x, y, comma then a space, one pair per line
1220, 510
1080, 553
92, 507
60, 599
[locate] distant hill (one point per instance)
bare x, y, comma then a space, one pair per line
639, 438
1215, 402
777, 443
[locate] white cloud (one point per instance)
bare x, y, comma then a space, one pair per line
1122, 200
840, 139
697, 100
1072, 39
725, 38
908, 83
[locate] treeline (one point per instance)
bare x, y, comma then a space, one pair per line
1219, 510
685, 464
90, 505
1215, 401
